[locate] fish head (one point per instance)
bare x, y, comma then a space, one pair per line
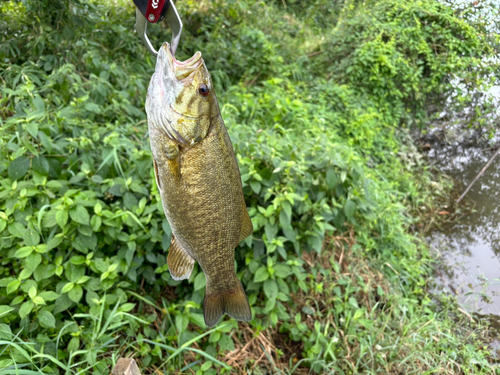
181, 101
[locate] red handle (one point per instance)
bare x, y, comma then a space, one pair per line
154, 10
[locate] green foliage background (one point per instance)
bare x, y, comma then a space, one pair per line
318, 100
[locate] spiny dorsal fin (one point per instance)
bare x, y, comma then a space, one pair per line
180, 264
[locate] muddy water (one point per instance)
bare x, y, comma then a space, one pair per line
470, 248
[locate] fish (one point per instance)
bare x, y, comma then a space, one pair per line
199, 181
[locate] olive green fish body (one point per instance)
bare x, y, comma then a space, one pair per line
199, 182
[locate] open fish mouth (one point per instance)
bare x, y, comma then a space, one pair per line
181, 69
170, 89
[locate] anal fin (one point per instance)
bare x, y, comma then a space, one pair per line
246, 224
180, 264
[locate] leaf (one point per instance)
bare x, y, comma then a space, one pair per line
32, 292
24, 251
96, 222
38, 300
25, 309
166, 227
17, 300
62, 218
129, 256
271, 289
42, 248
39, 103
54, 184
261, 274
127, 307
206, 366
349, 209
83, 279
199, 281
46, 319
54, 242
80, 215
13, 286
331, 178
130, 200
62, 304
49, 296
86, 230
32, 128
5, 333
270, 303
282, 270
197, 319
271, 231
31, 237
19, 167
285, 219
226, 343
67, 287
5, 281
74, 344
17, 229
181, 322
74, 273
46, 141
49, 219
287, 207
255, 185
25, 273
76, 293
40, 165
3, 224
4, 310
353, 302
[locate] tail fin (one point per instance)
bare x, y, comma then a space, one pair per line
234, 302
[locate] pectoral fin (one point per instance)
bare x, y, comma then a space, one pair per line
156, 174
246, 225
180, 264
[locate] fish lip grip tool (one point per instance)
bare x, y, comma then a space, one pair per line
153, 11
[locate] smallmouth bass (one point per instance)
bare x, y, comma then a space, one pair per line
199, 181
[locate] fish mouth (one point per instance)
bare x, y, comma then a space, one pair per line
181, 69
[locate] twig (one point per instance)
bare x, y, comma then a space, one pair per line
312, 54
479, 174
490, 148
250, 83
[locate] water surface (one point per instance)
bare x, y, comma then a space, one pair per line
470, 248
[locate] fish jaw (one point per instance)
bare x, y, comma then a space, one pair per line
174, 104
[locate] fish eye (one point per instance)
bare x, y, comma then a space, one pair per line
203, 90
